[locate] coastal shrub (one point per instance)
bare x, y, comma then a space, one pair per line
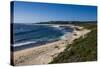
57, 47
82, 49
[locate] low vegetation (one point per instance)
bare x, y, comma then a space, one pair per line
82, 49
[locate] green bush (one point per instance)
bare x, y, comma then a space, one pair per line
82, 49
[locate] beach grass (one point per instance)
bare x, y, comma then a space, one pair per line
82, 49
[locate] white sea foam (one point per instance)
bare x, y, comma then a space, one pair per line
24, 43
66, 36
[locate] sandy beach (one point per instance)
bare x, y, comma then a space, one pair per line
45, 53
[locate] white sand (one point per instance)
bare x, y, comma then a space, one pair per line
45, 53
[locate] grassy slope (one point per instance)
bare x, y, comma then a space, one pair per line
83, 49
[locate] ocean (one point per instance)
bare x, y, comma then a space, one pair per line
29, 35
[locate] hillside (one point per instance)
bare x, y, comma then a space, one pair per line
68, 22
82, 49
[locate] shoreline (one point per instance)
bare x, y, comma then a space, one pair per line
45, 53
25, 45
30, 45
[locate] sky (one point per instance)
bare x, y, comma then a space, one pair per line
33, 12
